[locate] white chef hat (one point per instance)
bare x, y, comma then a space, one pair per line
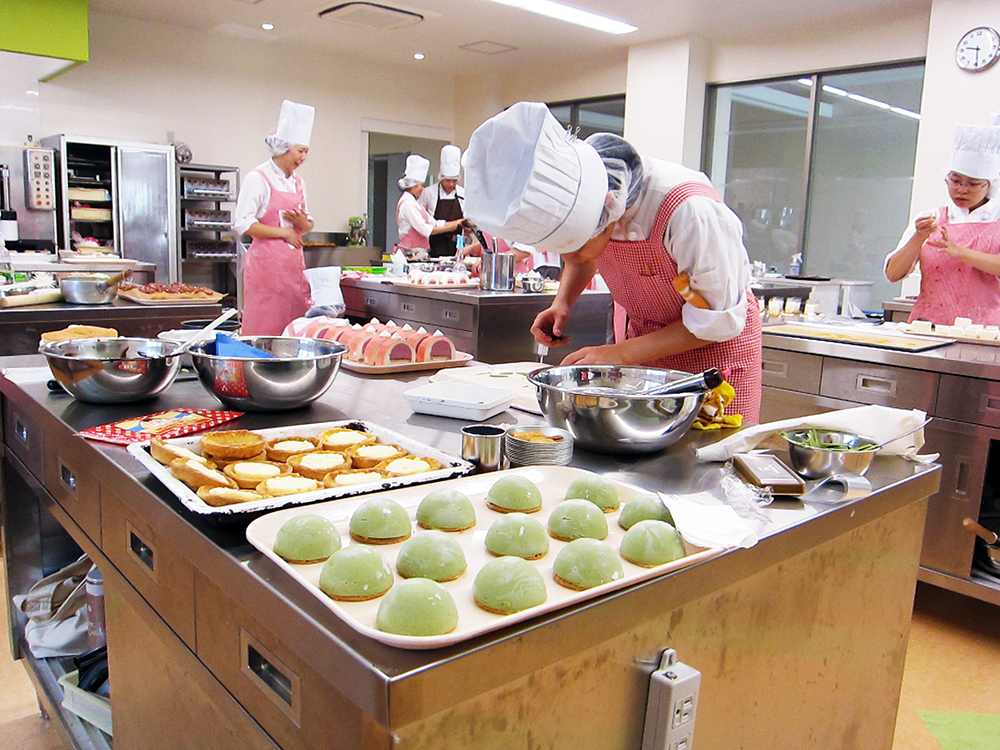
416, 172
451, 163
295, 125
528, 180
976, 152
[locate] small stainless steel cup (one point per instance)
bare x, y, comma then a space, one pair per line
482, 444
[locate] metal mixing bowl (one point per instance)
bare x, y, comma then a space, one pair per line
299, 372
113, 370
87, 289
851, 454
603, 408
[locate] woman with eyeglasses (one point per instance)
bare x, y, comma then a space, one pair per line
957, 246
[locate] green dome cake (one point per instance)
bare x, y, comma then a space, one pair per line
446, 510
417, 606
508, 584
380, 521
431, 554
596, 489
519, 535
308, 538
355, 573
585, 563
644, 507
515, 493
577, 519
652, 543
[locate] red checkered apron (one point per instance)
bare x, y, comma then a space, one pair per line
640, 275
950, 287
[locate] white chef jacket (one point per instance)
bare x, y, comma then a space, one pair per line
705, 239
429, 197
255, 194
408, 216
986, 214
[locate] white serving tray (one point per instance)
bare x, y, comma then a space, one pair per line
451, 466
511, 375
473, 402
435, 364
472, 620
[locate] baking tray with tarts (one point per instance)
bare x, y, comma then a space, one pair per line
451, 466
473, 621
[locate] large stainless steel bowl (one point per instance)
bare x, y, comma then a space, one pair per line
87, 289
113, 370
603, 408
846, 453
300, 371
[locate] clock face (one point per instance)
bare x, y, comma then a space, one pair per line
978, 49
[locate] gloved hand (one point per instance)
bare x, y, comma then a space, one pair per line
331, 311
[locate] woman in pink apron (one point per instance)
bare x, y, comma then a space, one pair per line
272, 209
414, 222
641, 223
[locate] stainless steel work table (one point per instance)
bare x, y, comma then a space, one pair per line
801, 636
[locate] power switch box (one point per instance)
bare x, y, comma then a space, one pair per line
671, 706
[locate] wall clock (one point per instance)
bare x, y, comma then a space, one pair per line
978, 49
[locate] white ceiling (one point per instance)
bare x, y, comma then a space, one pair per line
449, 24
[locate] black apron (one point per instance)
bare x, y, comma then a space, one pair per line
443, 244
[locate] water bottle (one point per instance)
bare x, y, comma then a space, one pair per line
96, 633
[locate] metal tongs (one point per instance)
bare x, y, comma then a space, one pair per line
481, 239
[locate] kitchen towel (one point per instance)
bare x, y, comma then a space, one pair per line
704, 520
876, 422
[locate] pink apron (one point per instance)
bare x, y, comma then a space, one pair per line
950, 288
275, 290
413, 240
640, 275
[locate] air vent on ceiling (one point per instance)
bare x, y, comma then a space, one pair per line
372, 15
487, 48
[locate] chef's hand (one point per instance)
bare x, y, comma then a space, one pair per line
593, 355
925, 225
300, 220
291, 236
947, 244
549, 324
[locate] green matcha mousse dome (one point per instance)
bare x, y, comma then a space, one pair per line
355, 573
380, 521
417, 606
646, 506
431, 554
447, 510
585, 563
577, 519
517, 534
597, 490
652, 543
507, 585
308, 538
515, 493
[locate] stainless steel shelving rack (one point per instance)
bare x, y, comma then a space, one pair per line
209, 247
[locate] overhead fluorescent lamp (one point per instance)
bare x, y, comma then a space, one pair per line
571, 15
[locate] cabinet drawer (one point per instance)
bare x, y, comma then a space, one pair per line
24, 437
969, 400
297, 708
874, 384
150, 563
73, 486
793, 371
434, 313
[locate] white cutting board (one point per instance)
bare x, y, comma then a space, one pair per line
511, 376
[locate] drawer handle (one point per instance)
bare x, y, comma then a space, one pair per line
21, 431
68, 477
141, 551
270, 675
879, 385
407, 307
992, 404
778, 369
962, 478
450, 314
280, 684
370, 301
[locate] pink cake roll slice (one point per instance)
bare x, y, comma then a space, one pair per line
388, 350
435, 346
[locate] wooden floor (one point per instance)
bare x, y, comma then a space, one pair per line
952, 664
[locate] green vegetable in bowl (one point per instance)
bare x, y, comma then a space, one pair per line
811, 438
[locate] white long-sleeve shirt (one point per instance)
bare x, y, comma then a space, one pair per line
705, 239
429, 197
255, 194
408, 216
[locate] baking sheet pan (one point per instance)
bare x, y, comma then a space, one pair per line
842, 334
451, 466
472, 620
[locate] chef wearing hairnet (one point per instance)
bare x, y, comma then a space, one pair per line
669, 249
415, 223
272, 209
957, 246
444, 201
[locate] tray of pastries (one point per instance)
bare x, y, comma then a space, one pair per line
169, 294
424, 567
236, 474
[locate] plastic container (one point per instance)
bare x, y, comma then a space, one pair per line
96, 633
92, 708
470, 402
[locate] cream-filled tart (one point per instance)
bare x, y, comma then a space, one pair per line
248, 474
282, 449
317, 464
342, 438
368, 455
353, 476
288, 484
401, 467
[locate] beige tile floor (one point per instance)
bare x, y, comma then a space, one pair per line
953, 664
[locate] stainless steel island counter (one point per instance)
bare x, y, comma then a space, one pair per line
800, 639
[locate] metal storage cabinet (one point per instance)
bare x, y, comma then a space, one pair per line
208, 244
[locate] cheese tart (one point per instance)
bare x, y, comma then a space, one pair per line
367, 455
401, 467
288, 484
218, 496
317, 464
195, 474
342, 438
283, 448
354, 476
229, 444
248, 474
165, 452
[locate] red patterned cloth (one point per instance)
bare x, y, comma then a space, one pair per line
164, 424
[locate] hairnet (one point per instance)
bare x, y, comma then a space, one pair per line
624, 167
276, 146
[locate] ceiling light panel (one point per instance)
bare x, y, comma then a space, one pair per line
570, 15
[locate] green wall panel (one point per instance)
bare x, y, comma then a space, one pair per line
52, 28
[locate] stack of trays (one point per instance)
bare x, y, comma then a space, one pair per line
522, 450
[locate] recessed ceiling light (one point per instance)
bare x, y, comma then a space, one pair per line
418, 56
571, 15
267, 26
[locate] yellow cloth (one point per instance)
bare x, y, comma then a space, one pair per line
713, 412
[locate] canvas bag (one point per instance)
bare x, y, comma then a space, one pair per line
56, 608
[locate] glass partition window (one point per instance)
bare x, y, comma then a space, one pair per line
588, 116
820, 165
